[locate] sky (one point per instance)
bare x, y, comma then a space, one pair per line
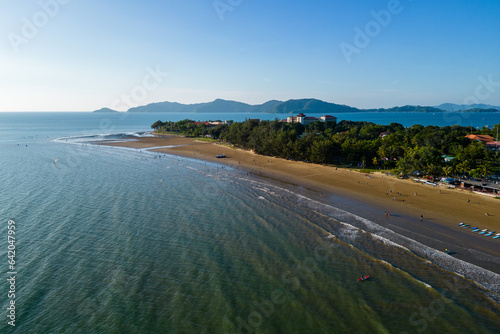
75, 55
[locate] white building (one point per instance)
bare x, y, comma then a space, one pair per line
303, 119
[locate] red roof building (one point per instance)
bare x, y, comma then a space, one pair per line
482, 138
493, 145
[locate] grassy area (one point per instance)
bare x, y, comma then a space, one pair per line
208, 140
166, 133
361, 170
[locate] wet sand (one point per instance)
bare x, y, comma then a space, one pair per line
367, 195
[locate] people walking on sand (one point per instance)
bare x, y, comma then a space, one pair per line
447, 251
415, 193
394, 198
421, 218
468, 200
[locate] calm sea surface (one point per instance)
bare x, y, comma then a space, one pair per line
112, 240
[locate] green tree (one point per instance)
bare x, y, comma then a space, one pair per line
486, 169
321, 151
448, 171
156, 125
464, 167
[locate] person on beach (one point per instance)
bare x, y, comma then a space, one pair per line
421, 218
394, 198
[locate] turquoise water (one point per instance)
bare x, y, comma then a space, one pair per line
112, 240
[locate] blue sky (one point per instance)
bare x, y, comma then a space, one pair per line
69, 55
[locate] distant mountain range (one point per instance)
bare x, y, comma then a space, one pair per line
465, 107
292, 107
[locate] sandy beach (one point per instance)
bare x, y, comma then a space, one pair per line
442, 208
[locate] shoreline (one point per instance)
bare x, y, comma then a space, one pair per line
368, 195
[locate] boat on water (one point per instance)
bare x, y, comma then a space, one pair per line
363, 278
220, 156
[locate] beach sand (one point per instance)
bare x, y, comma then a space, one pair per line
373, 194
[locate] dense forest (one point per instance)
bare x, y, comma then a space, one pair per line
431, 150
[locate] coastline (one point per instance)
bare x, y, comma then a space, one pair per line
367, 195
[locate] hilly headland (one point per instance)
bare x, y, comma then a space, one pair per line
293, 106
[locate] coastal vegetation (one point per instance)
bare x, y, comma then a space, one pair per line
430, 150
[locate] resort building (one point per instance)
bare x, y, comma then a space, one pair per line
482, 138
493, 145
490, 142
303, 119
447, 158
210, 123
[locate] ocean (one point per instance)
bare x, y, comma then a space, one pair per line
115, 240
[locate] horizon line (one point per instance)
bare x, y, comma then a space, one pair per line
228, 100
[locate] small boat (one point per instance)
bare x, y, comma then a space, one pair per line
483, 232
489, 234
364, 278
220, 156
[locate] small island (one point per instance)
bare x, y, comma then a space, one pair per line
105, 110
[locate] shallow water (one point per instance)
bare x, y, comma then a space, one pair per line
113, 240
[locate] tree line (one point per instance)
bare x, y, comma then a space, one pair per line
429, 150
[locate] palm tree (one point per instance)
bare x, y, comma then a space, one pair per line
464, 166
432, 169
447, 170
486, 169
